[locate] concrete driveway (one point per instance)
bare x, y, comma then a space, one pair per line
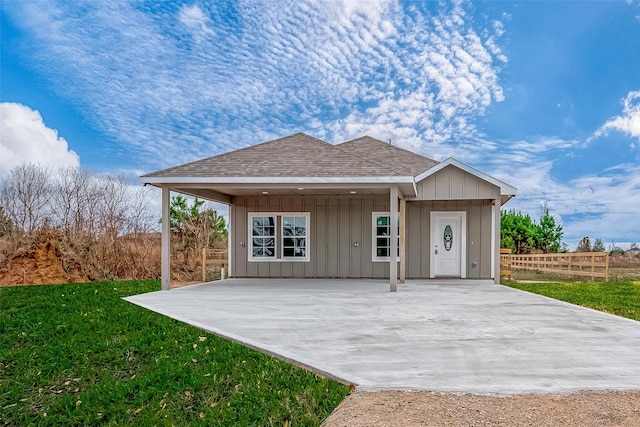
449, 336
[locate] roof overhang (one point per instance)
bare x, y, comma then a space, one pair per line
223, 189
506, 191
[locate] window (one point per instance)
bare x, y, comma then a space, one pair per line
263, 237
277, 236
381, 236
294, 237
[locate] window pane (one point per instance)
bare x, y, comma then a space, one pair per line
383, 231
263, 226
383, 241
294, 226
287, 252
382, 252
383, 220
270, 242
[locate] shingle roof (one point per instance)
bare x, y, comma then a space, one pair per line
301, 155
404, 162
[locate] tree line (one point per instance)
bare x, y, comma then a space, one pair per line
100, 222
522, 234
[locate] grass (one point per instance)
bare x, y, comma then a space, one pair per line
80, 355
619, 298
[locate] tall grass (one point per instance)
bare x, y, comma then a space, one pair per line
79, 354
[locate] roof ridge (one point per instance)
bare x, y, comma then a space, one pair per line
394, 169
390, 145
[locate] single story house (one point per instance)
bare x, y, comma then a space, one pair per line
302, 207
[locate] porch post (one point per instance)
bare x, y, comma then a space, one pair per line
496, 239
393, 256
403, 230
230, 242
166, 240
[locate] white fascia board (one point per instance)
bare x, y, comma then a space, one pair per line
366, 180
505, 189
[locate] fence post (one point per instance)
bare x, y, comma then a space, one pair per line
505, 263
606, 267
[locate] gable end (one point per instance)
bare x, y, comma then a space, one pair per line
453, 183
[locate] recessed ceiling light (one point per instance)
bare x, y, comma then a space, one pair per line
265, 192
300, 188
352, 192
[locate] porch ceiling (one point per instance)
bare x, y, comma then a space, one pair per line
208, 194
224, 192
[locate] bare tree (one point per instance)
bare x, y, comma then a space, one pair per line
25, 196
71, 199
100, 223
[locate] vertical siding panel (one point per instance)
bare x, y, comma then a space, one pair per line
344, 247
355, 235
474, 244
486, 239
427, 188
294, 204
262, 204
320, 240
332, 237
413, 251
365, 242
471, 183
457, 183
240, 235
309, 205
443, 184
425, 211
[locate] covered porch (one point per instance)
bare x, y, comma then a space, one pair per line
227, 193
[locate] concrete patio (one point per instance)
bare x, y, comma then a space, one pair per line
450, 336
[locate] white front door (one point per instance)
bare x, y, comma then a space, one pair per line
448, 244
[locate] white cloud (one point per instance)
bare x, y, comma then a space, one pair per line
197, 22
24, 138
629, 121
212, 80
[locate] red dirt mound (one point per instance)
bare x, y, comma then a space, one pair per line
41, 264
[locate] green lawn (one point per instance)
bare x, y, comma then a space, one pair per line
620, 298
79, 354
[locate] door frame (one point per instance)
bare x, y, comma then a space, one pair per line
463, 241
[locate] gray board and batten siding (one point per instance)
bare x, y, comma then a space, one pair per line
340, 229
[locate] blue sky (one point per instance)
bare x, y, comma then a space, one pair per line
543, 95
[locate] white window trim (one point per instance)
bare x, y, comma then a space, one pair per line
374, 224
279, 237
